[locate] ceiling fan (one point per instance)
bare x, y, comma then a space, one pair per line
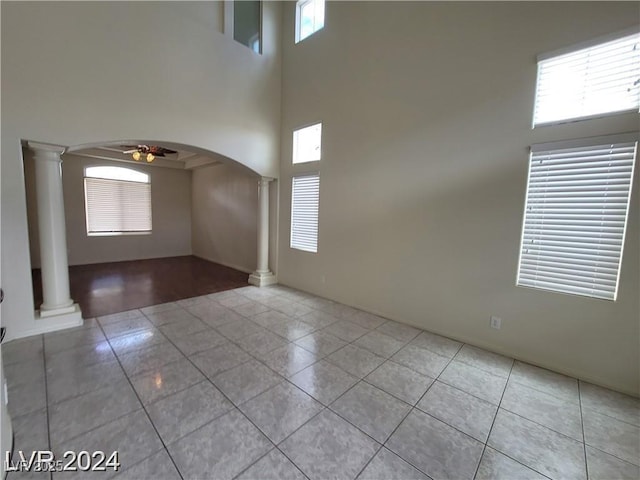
149, 151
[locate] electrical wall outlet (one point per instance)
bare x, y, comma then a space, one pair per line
496, 322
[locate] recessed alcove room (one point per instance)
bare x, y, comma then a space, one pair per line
320, 239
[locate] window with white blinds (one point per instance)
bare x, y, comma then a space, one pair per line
305, 198
592, 81
117, 201
575, 216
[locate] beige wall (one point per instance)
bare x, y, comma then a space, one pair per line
170, 207
426, 111
225, 201
76, 73
79, 73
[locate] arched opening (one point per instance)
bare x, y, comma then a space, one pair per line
143, 231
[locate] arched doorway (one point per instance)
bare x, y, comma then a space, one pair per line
191, 190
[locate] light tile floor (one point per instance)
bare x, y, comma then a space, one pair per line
274, 383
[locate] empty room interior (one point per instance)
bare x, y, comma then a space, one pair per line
320, 240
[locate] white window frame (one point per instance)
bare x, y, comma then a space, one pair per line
591, 49
127, 196
306, 157
305, 223
318, 4
255, 43
577, 254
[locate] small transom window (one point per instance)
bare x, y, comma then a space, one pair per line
309, 18
307, 144
597, 80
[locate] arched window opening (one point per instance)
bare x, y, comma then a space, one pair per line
117, 201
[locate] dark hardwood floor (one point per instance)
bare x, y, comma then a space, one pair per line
106, 288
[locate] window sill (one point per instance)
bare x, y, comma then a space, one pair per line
116, 234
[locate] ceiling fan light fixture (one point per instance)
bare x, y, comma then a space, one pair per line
148, 152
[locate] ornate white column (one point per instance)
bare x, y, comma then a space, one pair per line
53, 239
263, 276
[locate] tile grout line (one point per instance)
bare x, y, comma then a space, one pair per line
464, 391
143, 315
92, 429
78, 395
235, 407
289, 342
352, 342
484, 447
81, 394
614, 456
613, 418
382, 444
392, 394
584, 440
602, 413
139, 462
257, 358
460, 390
475, 396
263, 456
568, 437
287, 379
414, 407
374, 456
420, 330
491, 429
46, 396
169, 340
544, 392
276, 446
141, 404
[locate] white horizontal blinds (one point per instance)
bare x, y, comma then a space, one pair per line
116, 206
305, 199
600, 79
575, 217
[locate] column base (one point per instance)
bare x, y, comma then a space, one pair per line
54, 312
262, 279
45, 324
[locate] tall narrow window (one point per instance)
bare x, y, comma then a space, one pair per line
592, 81
117, 201
309, 18
576, 215
305, 199
307, 144
247, 20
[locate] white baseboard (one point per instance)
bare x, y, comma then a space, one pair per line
53, 323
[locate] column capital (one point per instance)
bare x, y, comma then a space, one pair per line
46, 150
264, 181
